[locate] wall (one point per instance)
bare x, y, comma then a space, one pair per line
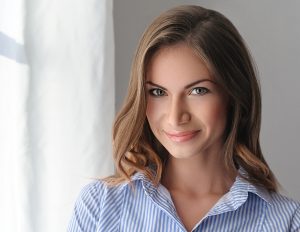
271, 32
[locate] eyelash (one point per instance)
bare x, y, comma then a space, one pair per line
152, 92
202, 89
163, 93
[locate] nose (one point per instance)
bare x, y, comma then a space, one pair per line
178, 113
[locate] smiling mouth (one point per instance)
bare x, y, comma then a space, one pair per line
182, 136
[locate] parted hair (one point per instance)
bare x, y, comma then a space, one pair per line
218, 43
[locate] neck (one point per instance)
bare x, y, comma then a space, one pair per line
198, 175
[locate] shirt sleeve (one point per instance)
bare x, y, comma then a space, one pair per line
295, 226
87, 207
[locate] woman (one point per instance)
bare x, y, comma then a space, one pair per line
186, 142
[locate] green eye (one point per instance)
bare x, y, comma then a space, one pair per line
157, 92
199, 91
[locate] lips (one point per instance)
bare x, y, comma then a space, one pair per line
182, 136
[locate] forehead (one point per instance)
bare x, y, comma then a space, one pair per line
177, 62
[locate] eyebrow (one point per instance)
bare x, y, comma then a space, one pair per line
186, 87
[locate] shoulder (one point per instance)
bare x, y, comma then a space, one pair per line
279, 200
98, 189
283, 203
285, 209
88, 206
94, 194
281, 213
92, 191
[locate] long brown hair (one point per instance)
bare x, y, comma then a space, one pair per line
215, 40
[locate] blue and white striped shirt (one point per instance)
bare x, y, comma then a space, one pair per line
244, 208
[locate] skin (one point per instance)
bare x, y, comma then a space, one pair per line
187, 113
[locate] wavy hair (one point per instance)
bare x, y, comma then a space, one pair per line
218, 43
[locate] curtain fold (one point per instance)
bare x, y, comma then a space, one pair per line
57, 107
14, 79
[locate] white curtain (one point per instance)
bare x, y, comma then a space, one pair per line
56, 107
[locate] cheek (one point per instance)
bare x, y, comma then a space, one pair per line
216, 115
154, 111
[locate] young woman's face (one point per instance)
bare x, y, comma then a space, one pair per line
186, 109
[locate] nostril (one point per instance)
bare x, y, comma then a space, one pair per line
186, 117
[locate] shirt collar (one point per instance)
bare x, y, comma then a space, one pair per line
260, 191
236, 196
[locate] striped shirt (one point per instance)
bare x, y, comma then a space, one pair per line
148, 208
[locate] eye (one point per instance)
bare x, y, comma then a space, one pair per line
199, 91
157, 92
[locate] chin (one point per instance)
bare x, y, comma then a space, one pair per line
181, 154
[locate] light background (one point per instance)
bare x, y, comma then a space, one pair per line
56, 108
271, 30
